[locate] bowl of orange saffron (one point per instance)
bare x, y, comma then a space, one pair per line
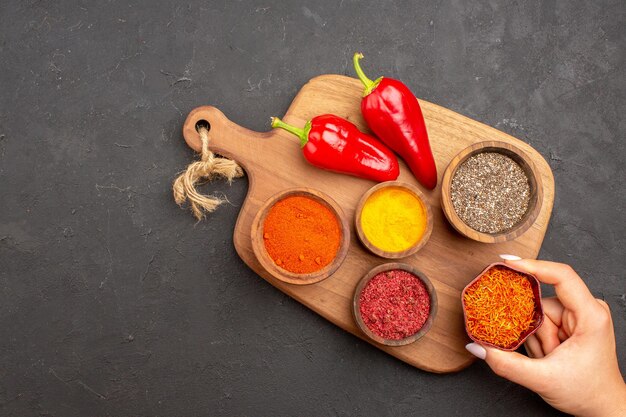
393, 220
502, 307
300, 236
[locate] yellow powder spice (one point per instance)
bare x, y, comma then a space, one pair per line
393, 219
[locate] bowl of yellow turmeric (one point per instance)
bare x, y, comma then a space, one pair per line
393, 220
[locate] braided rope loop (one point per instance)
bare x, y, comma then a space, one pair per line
206, 169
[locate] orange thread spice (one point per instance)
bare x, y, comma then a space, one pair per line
499, 307
301, 235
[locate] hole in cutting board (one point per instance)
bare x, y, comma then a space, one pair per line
203, 124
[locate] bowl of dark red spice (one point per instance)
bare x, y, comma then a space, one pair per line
502, 307
394, 304
300, 236
491, 192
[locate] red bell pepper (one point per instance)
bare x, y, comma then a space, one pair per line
393, 113
332, 143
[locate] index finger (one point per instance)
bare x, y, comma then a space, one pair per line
569, 287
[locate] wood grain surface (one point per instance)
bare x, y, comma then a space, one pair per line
273, 162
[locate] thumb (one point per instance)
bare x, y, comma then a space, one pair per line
511, 365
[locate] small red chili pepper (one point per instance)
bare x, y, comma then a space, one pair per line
332, 143
393, 113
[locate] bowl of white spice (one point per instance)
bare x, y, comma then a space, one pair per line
491, 192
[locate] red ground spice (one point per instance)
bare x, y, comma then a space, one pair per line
394, 304
301, 235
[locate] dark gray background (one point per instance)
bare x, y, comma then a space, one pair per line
113, 302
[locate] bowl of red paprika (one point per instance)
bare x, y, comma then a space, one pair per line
394, 304
502, 307
300, 236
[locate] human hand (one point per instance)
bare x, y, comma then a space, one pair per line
573, 361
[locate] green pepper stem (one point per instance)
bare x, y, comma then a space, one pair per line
303, 134
369, 84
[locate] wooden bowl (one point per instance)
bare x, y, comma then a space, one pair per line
534, 182
266, 261
376, 250
537, 315
356, 305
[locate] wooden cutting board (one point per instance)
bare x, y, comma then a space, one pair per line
273, 162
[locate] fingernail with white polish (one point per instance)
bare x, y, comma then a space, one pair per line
510, 257
476, 350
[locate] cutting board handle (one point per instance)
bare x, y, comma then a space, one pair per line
225, 137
